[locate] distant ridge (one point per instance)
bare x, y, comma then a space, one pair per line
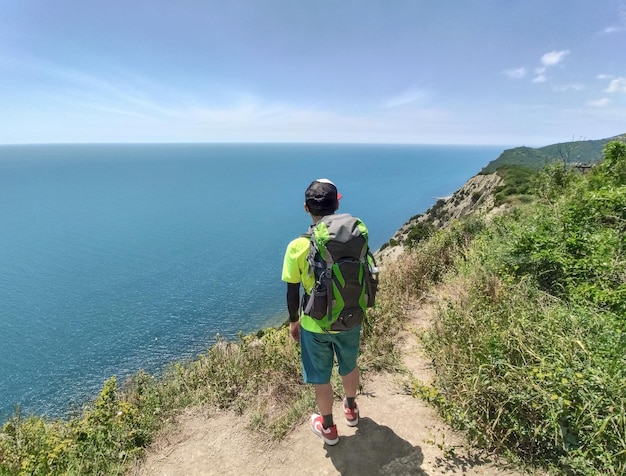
581, 151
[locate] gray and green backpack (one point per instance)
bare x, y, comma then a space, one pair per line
345, 272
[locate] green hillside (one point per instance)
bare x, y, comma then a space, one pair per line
582, 151
530, 343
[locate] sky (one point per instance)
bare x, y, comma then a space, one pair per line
496, 72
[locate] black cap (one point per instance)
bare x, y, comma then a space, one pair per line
321, 197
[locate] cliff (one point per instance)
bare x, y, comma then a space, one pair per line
476, 196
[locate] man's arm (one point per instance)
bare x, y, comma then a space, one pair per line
293, 301
293, 306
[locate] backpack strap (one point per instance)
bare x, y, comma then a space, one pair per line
323, 267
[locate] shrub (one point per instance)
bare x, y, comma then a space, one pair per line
517, 181
530, 374
612, 170
419, 232
530, 359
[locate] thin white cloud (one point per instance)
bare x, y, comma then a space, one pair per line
516, 73
114, 110
618, 28
122, 94
548, 60
598, 102
553, 57
569, 87
407, 97
609, 30
617, 85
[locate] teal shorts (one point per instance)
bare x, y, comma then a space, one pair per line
319, 351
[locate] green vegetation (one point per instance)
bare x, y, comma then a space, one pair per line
581, 151
526, 156
517, 184
530, 344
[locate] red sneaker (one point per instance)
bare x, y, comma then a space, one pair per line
352, 414
329, 435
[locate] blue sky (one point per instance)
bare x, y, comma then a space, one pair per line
390, 71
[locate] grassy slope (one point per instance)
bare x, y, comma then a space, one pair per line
530, 343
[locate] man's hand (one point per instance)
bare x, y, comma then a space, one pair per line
294, 330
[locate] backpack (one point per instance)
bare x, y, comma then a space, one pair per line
345, 272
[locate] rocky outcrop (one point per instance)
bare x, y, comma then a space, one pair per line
475, 197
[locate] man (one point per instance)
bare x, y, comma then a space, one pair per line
320, 345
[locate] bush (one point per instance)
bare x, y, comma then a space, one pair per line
420, 231
517, 181
530, 358
530, 374
102, 441
573, 248
612, 170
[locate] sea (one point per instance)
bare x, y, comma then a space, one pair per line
120, 258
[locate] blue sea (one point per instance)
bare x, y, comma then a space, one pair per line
116, 258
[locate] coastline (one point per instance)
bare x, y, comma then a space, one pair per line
186, 296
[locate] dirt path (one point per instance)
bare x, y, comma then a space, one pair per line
397, 435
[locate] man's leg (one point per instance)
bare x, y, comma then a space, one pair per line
351, 383
322, 424
347, 349
317, 366
324, 398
